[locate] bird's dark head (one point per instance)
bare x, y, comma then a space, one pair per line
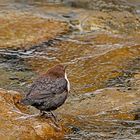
57, 70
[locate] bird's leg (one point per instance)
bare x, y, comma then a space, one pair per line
55, 120
54, 116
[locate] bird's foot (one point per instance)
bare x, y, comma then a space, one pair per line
49, 114
45, 114
53, 118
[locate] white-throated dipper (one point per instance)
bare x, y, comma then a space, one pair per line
49, 91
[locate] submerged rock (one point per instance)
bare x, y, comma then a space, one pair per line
15, 123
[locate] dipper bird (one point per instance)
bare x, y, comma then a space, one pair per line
49, 91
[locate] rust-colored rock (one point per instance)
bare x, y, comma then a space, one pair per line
13, 124
23, 30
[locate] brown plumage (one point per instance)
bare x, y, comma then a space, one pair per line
49, 91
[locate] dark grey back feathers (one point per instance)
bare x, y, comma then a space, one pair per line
46, 89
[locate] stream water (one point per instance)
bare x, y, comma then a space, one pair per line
102, 49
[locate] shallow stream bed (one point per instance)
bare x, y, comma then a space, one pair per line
102, 49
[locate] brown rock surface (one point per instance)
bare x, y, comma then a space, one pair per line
13, 124
108, 102
20, 30
103, 5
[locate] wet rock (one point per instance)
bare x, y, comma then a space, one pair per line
103, 5
94, 65
23, 30
14, 123
126, 79
104, 114
107, 103
116, 22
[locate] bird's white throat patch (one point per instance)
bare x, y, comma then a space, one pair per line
68, 83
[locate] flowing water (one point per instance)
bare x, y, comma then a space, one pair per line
102, 49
